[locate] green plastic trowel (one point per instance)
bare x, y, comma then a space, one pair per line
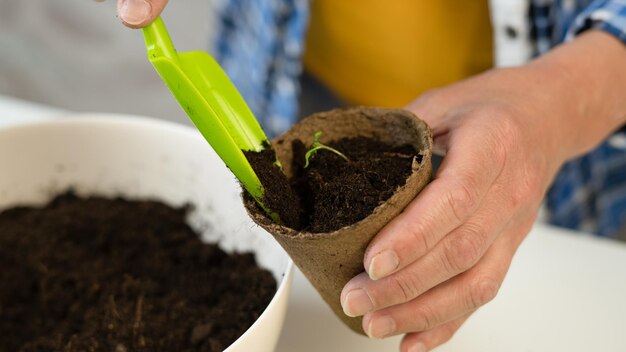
213, 103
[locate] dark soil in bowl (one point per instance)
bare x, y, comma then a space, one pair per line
100, 274
332, 193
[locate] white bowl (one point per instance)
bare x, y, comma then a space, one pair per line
137, 157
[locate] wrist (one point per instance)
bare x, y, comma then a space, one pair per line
586, 80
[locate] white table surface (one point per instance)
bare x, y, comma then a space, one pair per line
565, 291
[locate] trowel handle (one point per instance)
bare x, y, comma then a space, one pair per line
158, 42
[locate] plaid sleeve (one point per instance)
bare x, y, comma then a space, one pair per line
606, 15
589, 192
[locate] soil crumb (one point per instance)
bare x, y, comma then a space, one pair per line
279, 195
331, 192
97, 274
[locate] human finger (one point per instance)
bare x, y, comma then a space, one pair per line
427, 340
456, 253
455, 194
139, 13
454, 298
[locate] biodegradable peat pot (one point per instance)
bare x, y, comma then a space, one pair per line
141, 158
329, 260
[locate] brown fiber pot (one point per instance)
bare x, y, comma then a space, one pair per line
329, 260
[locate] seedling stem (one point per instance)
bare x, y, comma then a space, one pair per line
317, 145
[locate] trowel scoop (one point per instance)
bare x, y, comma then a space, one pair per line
213, 103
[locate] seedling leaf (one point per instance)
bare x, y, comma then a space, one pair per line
317, 145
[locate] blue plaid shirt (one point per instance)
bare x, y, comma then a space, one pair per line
589, 193
260, 43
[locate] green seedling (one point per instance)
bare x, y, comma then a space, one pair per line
278, 164
317, 145
213, 103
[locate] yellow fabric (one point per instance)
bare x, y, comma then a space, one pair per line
386, 53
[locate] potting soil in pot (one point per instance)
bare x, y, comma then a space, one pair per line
100, 274
331, 192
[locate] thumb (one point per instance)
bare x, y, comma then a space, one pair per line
139, 13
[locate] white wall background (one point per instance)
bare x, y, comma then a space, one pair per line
75, 54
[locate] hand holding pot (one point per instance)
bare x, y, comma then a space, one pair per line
505, 134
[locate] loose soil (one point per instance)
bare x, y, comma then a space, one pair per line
279, 195
100, 274
332, 193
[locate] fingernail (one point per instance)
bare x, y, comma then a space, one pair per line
383, 264
135, 12
381, 327
418, 347
357, 302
